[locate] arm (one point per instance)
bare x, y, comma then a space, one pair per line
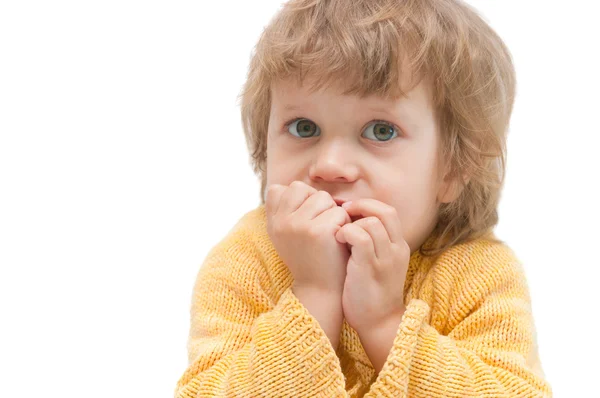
489, 350
379, 340
326, 308
241, 345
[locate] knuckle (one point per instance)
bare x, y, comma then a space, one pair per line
371, 221
363, 239
297, 184
269, 195
391, 211
272, 191
273, 188
324, 196
300, 186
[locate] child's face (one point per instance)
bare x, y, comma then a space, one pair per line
344, 145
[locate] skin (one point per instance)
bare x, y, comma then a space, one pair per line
345, 158
381, 154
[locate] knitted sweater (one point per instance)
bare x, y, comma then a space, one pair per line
467, 330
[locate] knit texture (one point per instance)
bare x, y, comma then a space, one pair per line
467, 331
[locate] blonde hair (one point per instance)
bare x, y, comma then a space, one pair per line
367, 46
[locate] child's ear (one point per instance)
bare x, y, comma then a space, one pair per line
452, 186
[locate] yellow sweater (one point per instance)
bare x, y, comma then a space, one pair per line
467, 331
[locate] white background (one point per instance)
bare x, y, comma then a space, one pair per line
122, 163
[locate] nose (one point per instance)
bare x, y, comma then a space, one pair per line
334, 162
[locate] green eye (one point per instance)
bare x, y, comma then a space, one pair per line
304, 128
382, 131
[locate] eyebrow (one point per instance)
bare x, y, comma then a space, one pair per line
380, 109
289, 107
395, 114
372, 108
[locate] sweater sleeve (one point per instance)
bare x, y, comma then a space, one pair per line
240, 345
491, 351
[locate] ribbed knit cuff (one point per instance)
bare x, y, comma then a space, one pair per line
295, 336
392, 380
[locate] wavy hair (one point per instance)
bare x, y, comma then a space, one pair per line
367, 47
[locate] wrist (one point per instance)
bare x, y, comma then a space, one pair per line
317, 291
326, 308
378, 339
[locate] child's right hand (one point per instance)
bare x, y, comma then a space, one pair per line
302, 223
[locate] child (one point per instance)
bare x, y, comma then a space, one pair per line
370, 268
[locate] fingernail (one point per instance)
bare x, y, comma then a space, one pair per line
345, 205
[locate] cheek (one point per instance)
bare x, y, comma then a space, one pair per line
279, 170
274, 164
413, 202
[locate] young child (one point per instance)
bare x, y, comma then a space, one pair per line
370, 268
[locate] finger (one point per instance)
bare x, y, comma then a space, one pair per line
385, 213
361, 244
273, 198
316, 204
379, 236
294, 196
335, 215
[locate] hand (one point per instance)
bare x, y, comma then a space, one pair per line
302, 223
376, 270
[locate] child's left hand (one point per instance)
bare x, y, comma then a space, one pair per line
376, 270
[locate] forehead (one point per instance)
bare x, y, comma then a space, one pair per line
290, 94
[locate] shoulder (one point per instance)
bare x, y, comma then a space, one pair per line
469, 274
483, 260
245, 236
